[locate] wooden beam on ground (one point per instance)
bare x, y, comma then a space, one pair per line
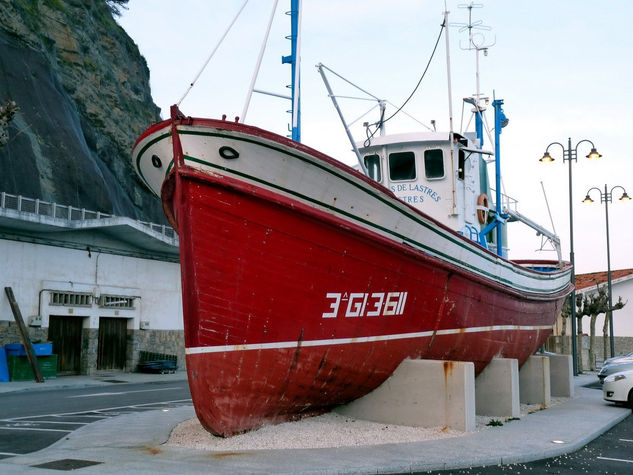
24, 335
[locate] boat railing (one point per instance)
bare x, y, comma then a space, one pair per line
70, 213
507, 202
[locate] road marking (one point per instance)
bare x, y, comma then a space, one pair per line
615, 460
32, 428
122, 392
93, 413
35, 421
626, 440
9, 453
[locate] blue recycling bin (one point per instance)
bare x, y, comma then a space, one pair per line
4, 367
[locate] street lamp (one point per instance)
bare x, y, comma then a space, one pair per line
606, 199
569, 155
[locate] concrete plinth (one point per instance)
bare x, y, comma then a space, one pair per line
497, 389
534, 381
561, 375
422, 393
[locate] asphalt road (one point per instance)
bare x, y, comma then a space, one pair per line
31, 421
611, 453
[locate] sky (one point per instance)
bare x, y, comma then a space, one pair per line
564, 69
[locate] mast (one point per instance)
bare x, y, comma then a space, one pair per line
450, 112
500, 122
448, 74
294, 60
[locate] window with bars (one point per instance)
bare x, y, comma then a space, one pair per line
73, 299
116, 301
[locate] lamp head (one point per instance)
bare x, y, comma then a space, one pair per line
546, 157
587, 199
625, 197
594, 153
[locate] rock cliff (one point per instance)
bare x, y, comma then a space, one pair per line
83, 94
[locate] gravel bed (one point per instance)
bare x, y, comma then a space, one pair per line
327, 430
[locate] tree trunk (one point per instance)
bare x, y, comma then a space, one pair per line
592, 342
579, 345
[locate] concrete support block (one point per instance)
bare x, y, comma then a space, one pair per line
422, 393
497, 389
534, 381
561, 375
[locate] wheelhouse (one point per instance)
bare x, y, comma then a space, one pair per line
446, 179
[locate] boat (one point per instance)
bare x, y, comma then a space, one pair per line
306, 282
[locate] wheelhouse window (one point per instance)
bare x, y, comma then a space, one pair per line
434, 163
372, 163
401, 166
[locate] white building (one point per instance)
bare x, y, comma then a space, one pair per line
622, 286
101, 288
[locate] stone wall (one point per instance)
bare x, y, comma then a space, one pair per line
622, 345
9, 333
171, 342
89, 347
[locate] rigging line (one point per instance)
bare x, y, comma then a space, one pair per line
212, 53
258, 64
411, 117
353, 97
548, 208
349, 82
381, 122
428, 64
363, 115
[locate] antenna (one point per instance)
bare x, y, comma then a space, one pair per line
476, 41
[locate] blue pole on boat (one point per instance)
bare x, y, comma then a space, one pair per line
293, 59
500, 122
479, 127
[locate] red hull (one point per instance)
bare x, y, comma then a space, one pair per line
268, 282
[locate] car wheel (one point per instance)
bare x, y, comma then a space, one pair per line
631, 399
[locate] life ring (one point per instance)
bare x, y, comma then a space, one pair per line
482, 208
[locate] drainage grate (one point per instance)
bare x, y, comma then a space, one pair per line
66, 464
113, 381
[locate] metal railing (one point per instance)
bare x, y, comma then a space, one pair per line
507, 202
69, 213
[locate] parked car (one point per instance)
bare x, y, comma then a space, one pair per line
623, 364
615, 358
618, 388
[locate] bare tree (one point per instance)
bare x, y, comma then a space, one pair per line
594, 304
605, 326
565, 315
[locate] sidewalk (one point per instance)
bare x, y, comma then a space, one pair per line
133, 444
102, 378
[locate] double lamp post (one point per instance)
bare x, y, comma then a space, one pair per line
606, 198
570, 154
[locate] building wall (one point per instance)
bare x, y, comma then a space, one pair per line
622, 345
623, 318
38, 272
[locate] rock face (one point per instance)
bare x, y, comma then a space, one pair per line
83, 94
